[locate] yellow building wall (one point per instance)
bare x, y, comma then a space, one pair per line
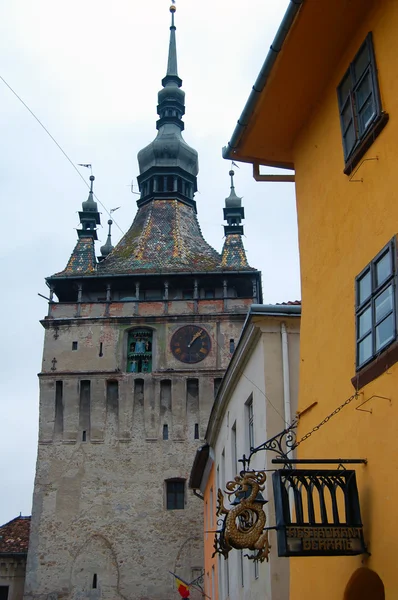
342, 226
210, 525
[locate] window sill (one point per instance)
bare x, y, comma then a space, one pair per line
377, 127
377, 367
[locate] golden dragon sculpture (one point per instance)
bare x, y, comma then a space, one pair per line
243, 525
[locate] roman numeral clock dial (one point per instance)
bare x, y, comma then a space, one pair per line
190, 344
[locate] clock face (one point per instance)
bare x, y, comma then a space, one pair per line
190, 344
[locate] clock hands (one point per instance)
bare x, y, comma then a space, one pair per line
195, 337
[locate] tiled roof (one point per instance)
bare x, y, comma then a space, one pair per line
82, 260
165, 237
233, 253
291, 302
14, 536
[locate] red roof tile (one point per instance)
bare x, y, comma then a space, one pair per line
14, 536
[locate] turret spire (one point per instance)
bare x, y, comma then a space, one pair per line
233, 211
233, 253
89, 215
107, 247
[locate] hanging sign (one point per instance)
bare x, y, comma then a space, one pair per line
317, 513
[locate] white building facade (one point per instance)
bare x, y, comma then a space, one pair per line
257, 400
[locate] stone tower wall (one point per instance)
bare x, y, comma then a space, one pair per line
100, 526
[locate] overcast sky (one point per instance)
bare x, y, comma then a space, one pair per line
90, 70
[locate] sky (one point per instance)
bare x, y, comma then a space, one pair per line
90, 70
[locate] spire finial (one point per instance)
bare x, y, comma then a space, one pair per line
107, 247
92, 179
173, 8
231, 174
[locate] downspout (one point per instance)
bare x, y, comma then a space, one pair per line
286, 376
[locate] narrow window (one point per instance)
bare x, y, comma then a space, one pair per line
139, 351
234, 458
360, 105
175, 494
250, 422
84, 412
74, 345
59, 410
196, 431
256, 569
232, 345
165, 432
242, 570
100, 350
95, 581
376, 306
84, 436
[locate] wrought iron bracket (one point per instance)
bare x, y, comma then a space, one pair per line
281, 444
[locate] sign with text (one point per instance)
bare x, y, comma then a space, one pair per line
317, 513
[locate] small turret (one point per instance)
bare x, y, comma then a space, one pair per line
233, 252
89, 215
233, 211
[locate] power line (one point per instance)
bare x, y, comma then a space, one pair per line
59, 147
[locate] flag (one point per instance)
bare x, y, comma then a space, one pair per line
183, 588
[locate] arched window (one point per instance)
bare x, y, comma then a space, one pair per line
139, 351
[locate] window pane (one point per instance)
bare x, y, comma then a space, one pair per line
383, 268
385, 332
365, 349
383, 304
366, 114
361, 62
364, 90
346, 115
344, 88
365, 322
364, 287
349, 139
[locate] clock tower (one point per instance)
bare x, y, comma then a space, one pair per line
136, 344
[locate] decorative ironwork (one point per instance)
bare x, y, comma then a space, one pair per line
243, 526
282, 443
317, 513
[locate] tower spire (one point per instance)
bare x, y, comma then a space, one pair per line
172, 71
168, 165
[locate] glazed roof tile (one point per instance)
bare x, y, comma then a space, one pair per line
233, 253
82, 260
165, 237
14, 536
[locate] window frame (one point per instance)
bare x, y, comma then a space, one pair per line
369, 302
173, 481
363, 135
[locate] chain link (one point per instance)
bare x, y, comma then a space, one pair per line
326, 419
